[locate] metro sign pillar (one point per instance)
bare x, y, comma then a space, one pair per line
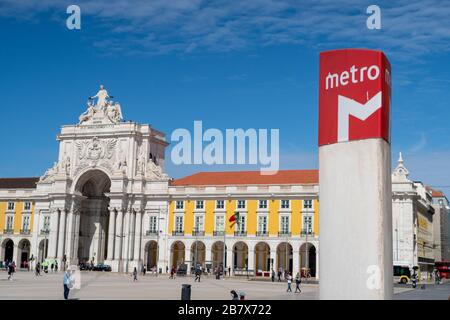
354, 175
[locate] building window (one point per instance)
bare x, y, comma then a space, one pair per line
263, 204
179, 205
10, 206
262, 224
241, 204
307, 225
26, 223
179, 224
285, 204
153, 224
46, 223
307, 204
199, 204
27, 206
9, 222
284, 224
220, 204
241, 224
198, 226
220, 223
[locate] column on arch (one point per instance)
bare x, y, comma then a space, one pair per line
111, 234
53, 239
61, 234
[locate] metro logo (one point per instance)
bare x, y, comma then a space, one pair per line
354, 96
347, 107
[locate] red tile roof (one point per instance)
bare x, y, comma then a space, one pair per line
18, 183
248, 178
435, 193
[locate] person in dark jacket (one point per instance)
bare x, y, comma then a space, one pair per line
234, 295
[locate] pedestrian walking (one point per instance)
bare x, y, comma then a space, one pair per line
273, 275
289, 282
66, 283
56, 266
234, 295
144, 270
52, 266
11, 270
135, 274
279, 275
229, 271
298, 281
198, 272
172, 273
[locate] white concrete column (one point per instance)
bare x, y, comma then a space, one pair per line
317, 263
69, 235
273, 259
119, 235
230, 262
111, 234
126, 239
76, 231
61, 234
295, 262
53, 238
208, 254
138, 236
355, 204
251, 259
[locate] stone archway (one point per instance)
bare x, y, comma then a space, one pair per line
240, 253
262, 257
92, 244
151, 254
217, 254
23, 255
198, 253
308, 259
284, 257
43, 250
8, 250
177, 253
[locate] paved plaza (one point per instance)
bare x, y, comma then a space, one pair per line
101, 285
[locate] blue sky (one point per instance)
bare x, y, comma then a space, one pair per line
231, 64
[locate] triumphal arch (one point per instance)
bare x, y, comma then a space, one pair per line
109, 176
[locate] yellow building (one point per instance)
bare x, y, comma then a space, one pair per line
267, 222
16, 219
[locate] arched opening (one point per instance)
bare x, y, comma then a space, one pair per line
240, 253
8, 250
308, 261
177, 253
24, 253
94, 222
151, 254
43, 250
284, 257
198, 254
217, 255
262, 258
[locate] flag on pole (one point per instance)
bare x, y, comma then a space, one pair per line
234, 219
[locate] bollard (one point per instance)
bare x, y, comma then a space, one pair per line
185, 292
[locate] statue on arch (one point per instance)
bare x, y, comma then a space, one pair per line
101, 96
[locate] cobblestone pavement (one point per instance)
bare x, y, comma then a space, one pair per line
101, 285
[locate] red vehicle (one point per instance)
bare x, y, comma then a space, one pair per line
444, 269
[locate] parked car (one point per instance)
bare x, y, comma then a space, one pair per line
102, 267
85, 266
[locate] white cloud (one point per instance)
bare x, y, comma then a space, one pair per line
409, 29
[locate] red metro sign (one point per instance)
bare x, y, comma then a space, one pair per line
354, 96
